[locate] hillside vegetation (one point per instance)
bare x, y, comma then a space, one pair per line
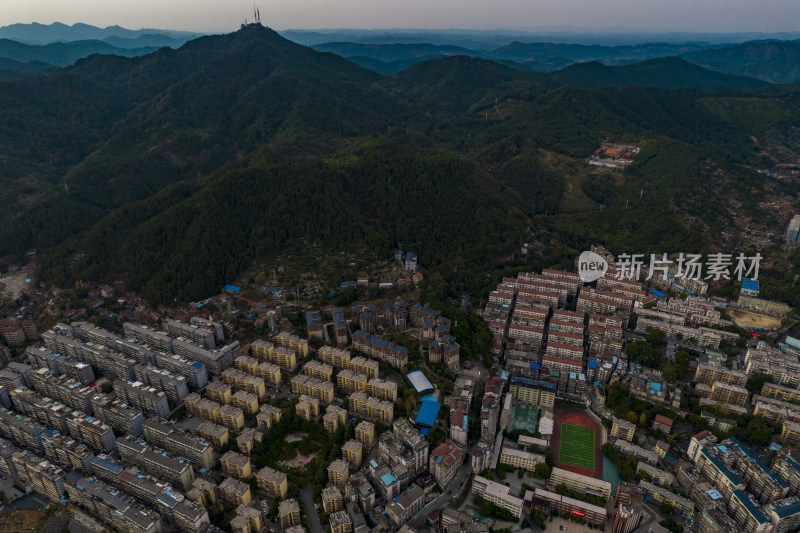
176, 170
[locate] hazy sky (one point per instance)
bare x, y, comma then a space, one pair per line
226, 15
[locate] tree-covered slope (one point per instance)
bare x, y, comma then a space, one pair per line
176, 170
180, 113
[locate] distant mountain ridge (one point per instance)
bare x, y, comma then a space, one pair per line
770, 61
36, 33
62, 54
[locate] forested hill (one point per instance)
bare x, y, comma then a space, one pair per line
175, 170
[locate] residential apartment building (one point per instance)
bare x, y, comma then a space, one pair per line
273, 482
351, 381
388, 352
382, 389
332, 501
338, 472
235, 492
498, 494
445, 462
174, 386
317, 370
307, 407
172, 468
267, 417
352, 453
246, 401
370, 408
152, 402
218, 436
365, 434
198, 451
581, 483
235, 465
289, 513
622, 429
520, 458
304, 385
243, 381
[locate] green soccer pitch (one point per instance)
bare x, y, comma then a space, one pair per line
576, 446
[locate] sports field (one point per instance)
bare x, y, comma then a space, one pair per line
525, 417
577, 447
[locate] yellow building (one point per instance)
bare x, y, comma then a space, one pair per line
364, 366
520, 459
218, 435
201, 407
270, 373
317, 370
247, 440
246, 364
580, 483
334, 418
262, 350
247, 520
242, 381
381, 389
284, 358
334, 356
541, 396
307, 407
779, 392
351, 452
791, 434
321, 390
272, 482
351, 381
725, 393
338, 472
219, 392
203, 492
365, 434
622, 429
268, 417
235, 465
289, 513
235, 492
332, 501
231, 417
246, 401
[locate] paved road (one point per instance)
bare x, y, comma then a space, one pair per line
441, 501
307, 495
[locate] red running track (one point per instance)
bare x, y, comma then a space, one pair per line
578, 418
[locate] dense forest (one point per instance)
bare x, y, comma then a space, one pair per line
175, 170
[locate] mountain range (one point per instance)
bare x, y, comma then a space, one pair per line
177, 169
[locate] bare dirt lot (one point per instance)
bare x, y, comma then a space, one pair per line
18, 520
746, 318
14, 283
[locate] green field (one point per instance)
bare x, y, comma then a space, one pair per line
576, 447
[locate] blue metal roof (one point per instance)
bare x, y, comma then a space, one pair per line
428, 412
591, 364
657, 293
231, 288
721, 467
788, 510
388, 478
758, 462
750, 284
750, 506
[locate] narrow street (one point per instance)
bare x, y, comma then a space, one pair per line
307, 495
